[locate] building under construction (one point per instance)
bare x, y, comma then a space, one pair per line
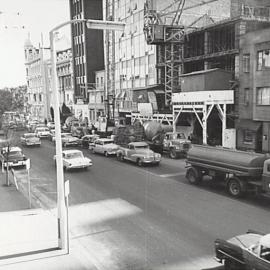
192, 44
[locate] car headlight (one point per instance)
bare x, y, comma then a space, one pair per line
157, 155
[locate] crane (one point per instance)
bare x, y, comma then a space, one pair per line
168, 37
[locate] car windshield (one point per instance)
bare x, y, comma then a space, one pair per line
179, 136
15, 153
30, 135
141, 147
74, 155
42, 129
65, 135
107, 142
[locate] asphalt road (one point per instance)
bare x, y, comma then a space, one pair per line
147, 217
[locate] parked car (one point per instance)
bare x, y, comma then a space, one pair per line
12, 157
28, 139
104, 146
88, 140
74, 159
42, 132
69, 140
246, 251
138, 152
31, 125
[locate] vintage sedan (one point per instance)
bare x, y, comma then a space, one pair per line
74, 159
69, 140
246, 251
138, 152
29, 139
42, 132
88, 140
104, 146
12, 157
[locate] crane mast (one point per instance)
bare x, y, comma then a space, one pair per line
168, 38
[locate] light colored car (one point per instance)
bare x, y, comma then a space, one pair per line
69, 140
13, 158
42, 132
104, 146
74, 159
138, 152
28, 139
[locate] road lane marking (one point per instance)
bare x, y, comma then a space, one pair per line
172, 174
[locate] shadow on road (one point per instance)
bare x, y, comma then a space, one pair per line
214, 268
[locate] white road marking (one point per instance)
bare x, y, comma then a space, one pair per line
172, 174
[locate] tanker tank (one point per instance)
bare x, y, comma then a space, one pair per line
245, 163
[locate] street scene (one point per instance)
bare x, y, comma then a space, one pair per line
136, 135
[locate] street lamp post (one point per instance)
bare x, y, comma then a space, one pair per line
62, 201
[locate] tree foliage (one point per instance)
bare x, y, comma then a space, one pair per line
5, 101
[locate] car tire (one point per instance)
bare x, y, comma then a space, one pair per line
193, 175
106, 154
139, 162
235, 187
173, 154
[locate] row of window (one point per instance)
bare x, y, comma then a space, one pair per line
263, 60
262, 96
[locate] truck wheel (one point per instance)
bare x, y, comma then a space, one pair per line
173, 153
139, 162
235, 187
194, 176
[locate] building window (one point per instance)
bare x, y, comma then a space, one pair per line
35, 97
246, 63
246, 96
40, 98
263, 96
263, 59
248, 136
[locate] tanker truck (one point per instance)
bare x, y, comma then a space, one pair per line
240, 171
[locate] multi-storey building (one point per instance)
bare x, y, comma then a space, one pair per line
253, 127
97, 100
87, 48
65, 77
37, 81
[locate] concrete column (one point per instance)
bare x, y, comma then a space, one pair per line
204, 124
224, 119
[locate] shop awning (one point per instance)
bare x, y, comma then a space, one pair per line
248, 124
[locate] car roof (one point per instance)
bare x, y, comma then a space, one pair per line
69, 151
139, 143
265, 240
105, 139
90, 135
30, 133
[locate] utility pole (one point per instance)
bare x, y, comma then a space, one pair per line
62, 200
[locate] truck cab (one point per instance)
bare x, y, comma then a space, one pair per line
176, 144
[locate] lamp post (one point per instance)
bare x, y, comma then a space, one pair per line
62, 200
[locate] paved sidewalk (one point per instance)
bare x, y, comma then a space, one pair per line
30, 231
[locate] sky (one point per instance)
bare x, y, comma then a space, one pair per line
37, 17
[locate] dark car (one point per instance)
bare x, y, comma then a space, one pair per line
88, 139
244, 252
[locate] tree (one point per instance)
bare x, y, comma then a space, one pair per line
5, 101
65, 112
